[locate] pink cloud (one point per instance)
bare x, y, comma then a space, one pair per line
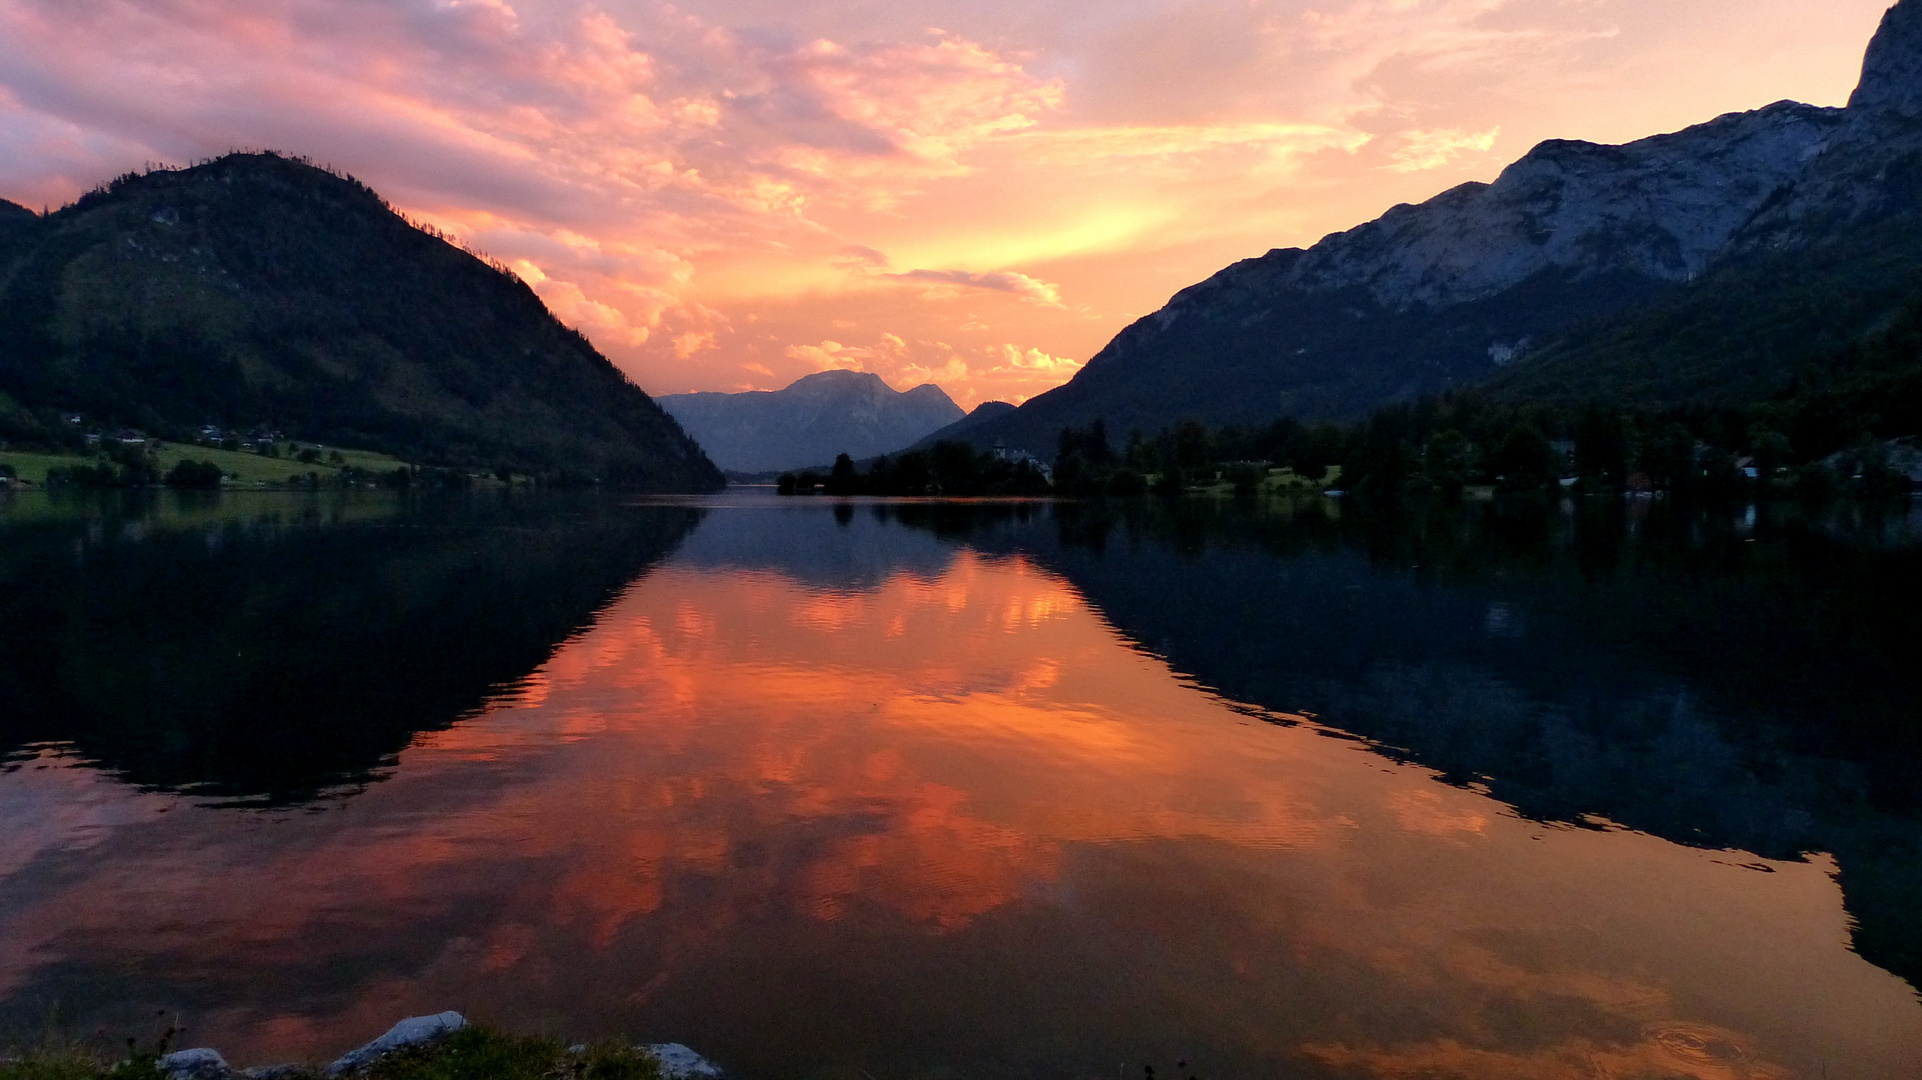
1007, 281
713, 191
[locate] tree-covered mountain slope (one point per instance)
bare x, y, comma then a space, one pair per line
981, 414
1753, 328
1539, 281
258, 289
811, 420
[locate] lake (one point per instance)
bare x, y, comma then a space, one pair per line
942, 790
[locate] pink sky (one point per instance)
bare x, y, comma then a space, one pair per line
729, 194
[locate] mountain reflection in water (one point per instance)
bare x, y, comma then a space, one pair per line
269, 647
1743, 680
894, 790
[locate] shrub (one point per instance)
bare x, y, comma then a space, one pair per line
202, 475
477, 1053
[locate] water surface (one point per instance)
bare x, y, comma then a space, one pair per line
978, 790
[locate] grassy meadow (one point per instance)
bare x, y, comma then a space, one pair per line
472, 1053
245, 468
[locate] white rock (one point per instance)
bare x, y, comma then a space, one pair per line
409, 1032
1666, 208
1892, 70
200, 1063
680, 1063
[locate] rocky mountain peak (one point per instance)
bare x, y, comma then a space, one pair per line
1483, 280
1892, 70
838, 381
928, 391
811, 420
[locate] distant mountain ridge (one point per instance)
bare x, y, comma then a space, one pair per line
980, 415
258, 289
1483, 280
811, 420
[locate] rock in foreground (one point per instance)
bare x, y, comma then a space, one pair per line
499, 1057
413, 1031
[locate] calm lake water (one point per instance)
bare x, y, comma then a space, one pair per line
973, 790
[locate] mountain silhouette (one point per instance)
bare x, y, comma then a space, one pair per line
811, 420
1709, 264
259, 289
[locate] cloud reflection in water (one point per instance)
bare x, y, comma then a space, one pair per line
942, 818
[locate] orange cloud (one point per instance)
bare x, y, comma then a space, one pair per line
710, 196
1421, 150
1001, 281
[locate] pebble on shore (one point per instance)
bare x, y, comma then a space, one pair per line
204, 1063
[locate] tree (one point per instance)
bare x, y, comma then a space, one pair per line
1383, 463
1669, 457
201, 475
1445, 462
842, 479
1192, 451
955, 470
1770, 449
1602, 450
1526, 461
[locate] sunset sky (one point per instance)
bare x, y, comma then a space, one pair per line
729, 194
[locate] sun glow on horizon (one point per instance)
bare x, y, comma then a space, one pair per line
718, 192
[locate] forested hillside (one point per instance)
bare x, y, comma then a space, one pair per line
261, 290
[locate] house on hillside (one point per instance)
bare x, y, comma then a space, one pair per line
1000, 452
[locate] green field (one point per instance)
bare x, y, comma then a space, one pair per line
247, 469
33, 467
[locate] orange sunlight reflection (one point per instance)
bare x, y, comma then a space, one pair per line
731, 768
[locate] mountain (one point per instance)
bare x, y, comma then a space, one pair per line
810, 421
258, 289
984, 412
1582, 269
206, 647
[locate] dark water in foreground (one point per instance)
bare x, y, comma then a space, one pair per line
974, 790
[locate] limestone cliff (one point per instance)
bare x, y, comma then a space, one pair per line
1478, 279
811, 420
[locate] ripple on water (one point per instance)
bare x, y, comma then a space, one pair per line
1701, 1050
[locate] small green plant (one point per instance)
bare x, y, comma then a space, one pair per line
478, 1053
472, 1053
53, 1061
59, 1056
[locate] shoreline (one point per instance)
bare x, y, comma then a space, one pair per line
441, 1046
